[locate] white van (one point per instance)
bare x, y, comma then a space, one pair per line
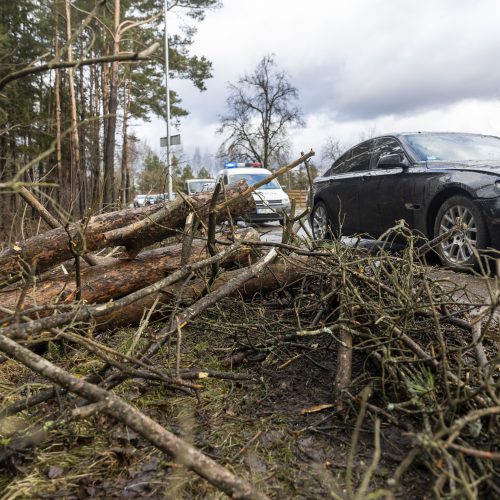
270, 198
198, 185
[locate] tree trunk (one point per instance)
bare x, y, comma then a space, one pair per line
75, 185
274, 277
95, 145
124, 180
102, 283
83, 138
57, 96
109, 145
115, 229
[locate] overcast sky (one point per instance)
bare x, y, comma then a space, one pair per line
360, 66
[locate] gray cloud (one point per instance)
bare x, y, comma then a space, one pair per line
354, 62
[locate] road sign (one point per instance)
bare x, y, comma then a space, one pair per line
175, 140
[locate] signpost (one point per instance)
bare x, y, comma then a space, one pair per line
175, 140
167, 93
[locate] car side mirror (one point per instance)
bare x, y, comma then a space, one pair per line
391, 161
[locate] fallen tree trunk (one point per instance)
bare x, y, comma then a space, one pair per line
87, 313
100, 284
131, 228
273, 277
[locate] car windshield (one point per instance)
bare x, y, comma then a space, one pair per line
455, 147
253, 179
197, 186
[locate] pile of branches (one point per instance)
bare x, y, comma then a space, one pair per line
434, 354
44, 297
413, 351
427, 359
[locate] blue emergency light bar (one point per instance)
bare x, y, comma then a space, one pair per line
233, 164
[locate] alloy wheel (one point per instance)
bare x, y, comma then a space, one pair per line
460, 247
320, 222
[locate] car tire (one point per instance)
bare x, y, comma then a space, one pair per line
320, 222
460, 250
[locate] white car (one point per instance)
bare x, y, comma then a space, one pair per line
140, 200
271, 201
199, 185
163, 197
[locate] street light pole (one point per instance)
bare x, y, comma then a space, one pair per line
167, 92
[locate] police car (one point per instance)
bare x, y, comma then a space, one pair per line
271, 201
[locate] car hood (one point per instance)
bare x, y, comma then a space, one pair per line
492, 167
269, 194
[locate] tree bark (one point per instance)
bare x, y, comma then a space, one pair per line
102, 283
57, 96
95, 143
274, 277
124, 178
109, 140
114, 229
75, 184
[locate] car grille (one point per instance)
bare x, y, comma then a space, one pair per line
268, 203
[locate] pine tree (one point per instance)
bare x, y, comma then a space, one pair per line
203, 173
35, 110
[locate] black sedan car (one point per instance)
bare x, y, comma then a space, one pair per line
427, 179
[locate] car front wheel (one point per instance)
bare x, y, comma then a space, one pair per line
460, 249
320, 222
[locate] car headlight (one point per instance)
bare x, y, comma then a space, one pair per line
285, 201
497, 185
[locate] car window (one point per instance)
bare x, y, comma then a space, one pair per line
386, 146
197, 186
360, 158
454, 147
338, 166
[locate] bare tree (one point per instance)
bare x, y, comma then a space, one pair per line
331, 150
261, 110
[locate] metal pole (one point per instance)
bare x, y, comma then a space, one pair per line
169, 166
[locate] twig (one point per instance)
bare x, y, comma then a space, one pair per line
344, 358
365, 394
244, 448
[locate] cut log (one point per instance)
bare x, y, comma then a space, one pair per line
53, 247
274, 277
111, 281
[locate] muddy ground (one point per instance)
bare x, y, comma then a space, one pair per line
270, 429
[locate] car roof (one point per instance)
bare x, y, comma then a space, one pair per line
245, 170
430, 132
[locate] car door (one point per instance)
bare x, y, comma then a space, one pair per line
342, 190
385, 190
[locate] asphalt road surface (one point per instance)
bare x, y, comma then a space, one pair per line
470, 287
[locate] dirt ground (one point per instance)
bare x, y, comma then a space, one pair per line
270, 429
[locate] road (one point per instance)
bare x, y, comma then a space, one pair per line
470, 287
